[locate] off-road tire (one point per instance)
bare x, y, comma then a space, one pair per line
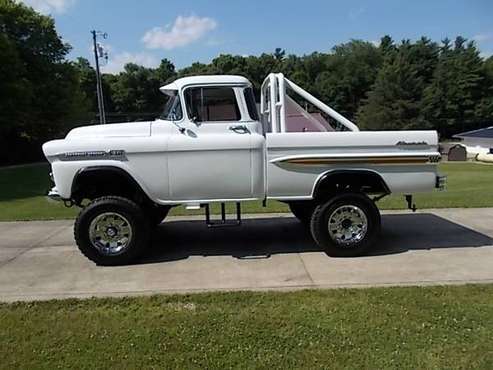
320, 219
122, 206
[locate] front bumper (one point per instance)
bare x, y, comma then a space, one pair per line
441, 182
54, 195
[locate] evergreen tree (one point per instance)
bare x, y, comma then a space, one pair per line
484, 108
348, 73
394, 101
450, 101
387, 45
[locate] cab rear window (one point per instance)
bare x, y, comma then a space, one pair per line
250, 102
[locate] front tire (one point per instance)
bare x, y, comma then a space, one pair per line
347, 225
112, 231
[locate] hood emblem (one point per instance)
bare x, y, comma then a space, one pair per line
118, 155
410, 143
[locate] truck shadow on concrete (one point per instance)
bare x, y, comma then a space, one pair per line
262, 238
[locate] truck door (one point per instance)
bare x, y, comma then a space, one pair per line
219, 155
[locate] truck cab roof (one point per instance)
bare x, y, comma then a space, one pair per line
204, 80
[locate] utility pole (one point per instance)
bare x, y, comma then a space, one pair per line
98, 53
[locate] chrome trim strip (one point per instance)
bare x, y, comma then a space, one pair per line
391, 158
370, 160
352, 156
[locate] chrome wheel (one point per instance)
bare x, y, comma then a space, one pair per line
110, 233
347, 225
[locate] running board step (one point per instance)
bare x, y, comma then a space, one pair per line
223, 221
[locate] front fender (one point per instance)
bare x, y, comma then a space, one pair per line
65, 175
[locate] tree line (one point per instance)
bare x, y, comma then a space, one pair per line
420, 84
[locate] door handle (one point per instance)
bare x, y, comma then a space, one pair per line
239, 129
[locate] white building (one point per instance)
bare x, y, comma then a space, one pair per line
477, 141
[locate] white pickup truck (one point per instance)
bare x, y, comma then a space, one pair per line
213, 144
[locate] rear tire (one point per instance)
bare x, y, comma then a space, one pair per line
112, 231
347, 225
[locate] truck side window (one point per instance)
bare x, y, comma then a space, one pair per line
172, 109
250, 102
212, 104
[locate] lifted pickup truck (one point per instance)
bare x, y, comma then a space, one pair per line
212, 145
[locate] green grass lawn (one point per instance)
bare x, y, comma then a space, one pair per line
378, 328
22, 192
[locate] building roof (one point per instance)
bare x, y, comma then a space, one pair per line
205, 79
481, 133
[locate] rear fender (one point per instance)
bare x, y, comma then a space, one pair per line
365, 181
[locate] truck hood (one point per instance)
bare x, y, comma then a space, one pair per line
128, 129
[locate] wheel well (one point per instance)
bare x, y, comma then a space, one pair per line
94, 182
367, 182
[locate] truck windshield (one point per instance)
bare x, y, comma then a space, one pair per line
172, 109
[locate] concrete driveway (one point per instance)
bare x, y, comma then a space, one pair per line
38, 260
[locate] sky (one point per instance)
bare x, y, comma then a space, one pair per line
187, 31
